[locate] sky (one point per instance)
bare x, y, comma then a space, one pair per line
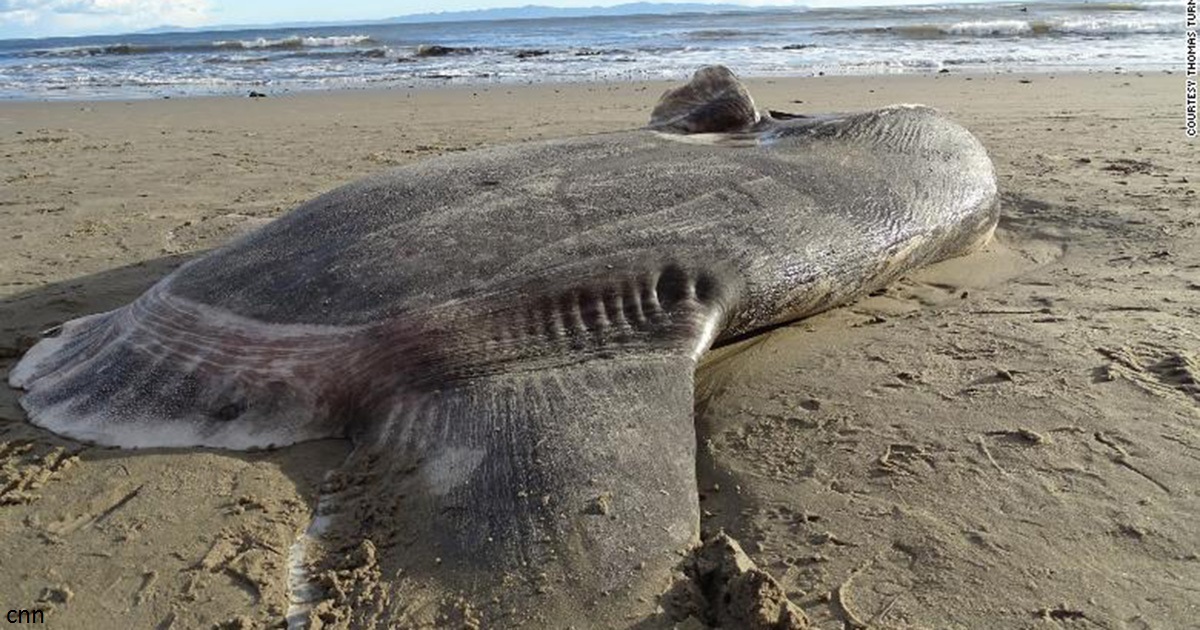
44, 18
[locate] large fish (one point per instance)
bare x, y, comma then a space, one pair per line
509, 337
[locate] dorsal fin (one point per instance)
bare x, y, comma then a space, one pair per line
714, 101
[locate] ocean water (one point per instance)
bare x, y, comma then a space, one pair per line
985, 37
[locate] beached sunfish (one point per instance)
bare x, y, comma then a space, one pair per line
508, 336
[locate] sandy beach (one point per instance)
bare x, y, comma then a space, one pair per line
1007, 440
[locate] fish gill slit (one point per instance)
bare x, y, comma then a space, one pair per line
613, 306
594, 311
651, 307
672, 286
573, 303
554, 327
631, 303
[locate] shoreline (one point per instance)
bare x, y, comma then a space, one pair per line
268, 91
771, 87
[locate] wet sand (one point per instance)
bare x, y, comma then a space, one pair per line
1007, 440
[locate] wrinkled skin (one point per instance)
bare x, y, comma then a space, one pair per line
509, 338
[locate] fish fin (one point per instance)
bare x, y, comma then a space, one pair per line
552, 496
165, 371
714, 101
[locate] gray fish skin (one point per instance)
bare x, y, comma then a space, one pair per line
509, 335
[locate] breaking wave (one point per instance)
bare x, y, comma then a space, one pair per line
92, 51
1018, 28
296, 42
717, 34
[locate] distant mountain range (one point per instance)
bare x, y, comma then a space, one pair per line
527, 12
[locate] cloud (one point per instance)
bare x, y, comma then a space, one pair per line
36, 18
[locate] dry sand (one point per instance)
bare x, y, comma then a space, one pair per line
1008, 440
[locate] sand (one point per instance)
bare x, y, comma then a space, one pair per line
1008, 440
